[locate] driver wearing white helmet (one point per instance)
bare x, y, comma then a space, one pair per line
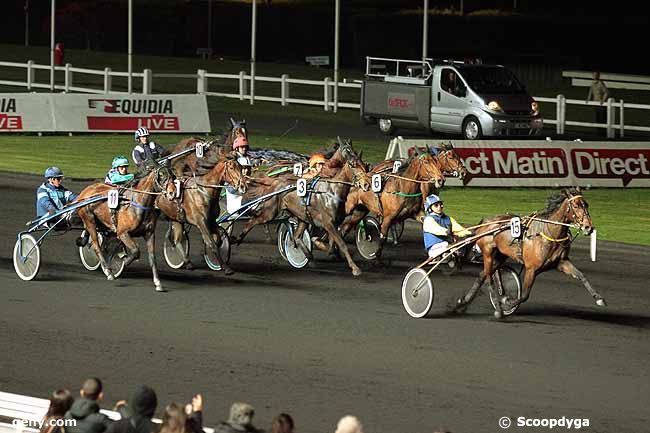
146, 150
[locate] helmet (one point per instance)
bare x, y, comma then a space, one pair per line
317, 158
120, 161
240, 142
430, 201
141, 132
53, 172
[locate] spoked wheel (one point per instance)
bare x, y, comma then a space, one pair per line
507, 284
295, 255
417, 293
224, 250
369, 238
115, 253
89, 258
27, 257
175, 253
395, 232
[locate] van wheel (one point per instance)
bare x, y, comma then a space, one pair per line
472, 129
386, 126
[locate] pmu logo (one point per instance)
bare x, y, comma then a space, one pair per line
133, 106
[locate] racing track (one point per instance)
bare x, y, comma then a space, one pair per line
319, 343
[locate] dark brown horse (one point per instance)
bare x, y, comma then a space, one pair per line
199, 203
343, 170
544, 245
134, 217
400, 197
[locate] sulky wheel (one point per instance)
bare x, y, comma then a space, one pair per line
369, 238
283, 229
27, 257
295, 255
508, 285
224, 250
115, 254
89, 258
417, 293
175, 253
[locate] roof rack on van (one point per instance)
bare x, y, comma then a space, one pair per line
407, 71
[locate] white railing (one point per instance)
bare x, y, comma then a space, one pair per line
615, 109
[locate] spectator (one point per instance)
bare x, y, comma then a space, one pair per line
349, 424
240, 420
85, 410
60, 402
598, 92
137, 414
177, 419
282, 423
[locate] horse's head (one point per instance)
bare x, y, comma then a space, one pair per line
449, 160
236, 129
233, 174
428, 170
163, 181
578, 211
353, 160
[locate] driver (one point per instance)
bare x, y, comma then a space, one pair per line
240, 149
144, 149
438, 227
119, 172
52, 196
316, 164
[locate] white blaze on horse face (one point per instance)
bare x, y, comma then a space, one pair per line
113, 196
376, 183
177, 184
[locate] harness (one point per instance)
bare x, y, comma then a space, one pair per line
306, 200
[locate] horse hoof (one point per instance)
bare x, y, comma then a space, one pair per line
601, 302
356, 272
188, 266
228, 271
110, 277
160, 289
498, 315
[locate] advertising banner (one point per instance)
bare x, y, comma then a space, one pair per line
544, 163
25, 113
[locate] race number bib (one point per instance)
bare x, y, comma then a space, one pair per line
396, 166
515, 227
301, 187
297, 169
376, 183
113, 198
199, 150
177, 184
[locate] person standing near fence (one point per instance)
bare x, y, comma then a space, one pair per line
598, 92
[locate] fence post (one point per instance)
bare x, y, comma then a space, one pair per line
147, 76
107, 80
622, 118
326, 93
558, 115
610, 117
201, 82
242, 85
68, 77
284, 90
563, 113
30, 74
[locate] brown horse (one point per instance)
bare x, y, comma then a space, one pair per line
326, 204
199, 203
135, 215
544, 245
400, 197
221, 147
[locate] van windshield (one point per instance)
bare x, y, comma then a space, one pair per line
490, 80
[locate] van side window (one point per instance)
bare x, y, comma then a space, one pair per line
450, 82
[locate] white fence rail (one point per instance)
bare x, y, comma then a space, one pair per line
615, 109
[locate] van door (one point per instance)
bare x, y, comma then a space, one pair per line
448, 101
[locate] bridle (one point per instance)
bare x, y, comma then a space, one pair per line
428, 171
572, 209
448, 161
228, 173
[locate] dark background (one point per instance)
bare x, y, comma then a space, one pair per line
573, 34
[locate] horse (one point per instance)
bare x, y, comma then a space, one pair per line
400, 197
343, 170
221, 147
544, 245
133, 217
199, 203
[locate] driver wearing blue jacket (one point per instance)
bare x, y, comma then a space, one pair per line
52, 196
439, 228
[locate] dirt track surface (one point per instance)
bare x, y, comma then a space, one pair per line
319, 343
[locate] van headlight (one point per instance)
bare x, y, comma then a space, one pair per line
534, 106
494, 106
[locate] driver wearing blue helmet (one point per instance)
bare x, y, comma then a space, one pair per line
146, 150
52, 196
438, 227
119, 172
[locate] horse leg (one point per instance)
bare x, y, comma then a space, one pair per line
212, 246
176, 238
463, 302
91, 227
489, 268
150, 238
343, 248
131, 246
297, 239
267, 233
352, 220
567, 267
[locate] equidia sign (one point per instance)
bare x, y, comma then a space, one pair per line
544, 163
